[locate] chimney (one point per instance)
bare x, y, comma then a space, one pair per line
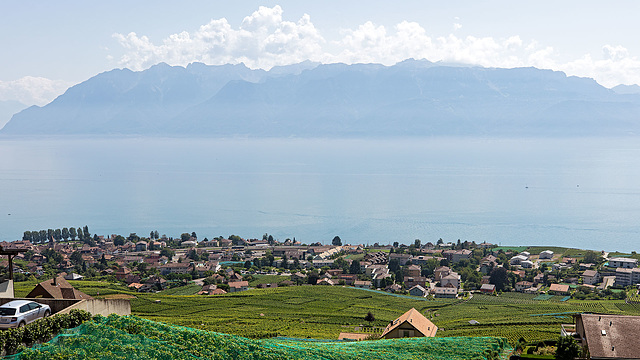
55, 282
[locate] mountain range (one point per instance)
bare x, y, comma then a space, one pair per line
411, 98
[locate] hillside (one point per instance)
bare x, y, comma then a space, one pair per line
411, 98
117, 337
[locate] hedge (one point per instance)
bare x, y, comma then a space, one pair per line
42, 330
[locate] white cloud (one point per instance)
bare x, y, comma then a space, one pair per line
31, 90
265, 39
457, 26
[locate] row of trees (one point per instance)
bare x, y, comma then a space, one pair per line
42, 236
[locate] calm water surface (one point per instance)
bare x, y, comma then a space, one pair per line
567, 192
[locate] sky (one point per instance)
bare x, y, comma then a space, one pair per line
48, 46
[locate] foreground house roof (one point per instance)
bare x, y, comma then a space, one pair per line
57, 288
416, 320
610, 336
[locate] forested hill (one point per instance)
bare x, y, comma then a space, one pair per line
411, 98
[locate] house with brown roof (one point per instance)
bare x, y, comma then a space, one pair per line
237, 286
362, 284
609, 336
559, 289
488, 288
413, 271
410, 324
441, 272
57, 288
175, 268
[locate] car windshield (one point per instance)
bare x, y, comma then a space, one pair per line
7, 311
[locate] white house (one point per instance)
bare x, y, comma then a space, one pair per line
516, 260
547, 254
590, 277
620, 262
451, 280
527, 264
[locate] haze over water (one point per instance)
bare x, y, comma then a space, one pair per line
566, 192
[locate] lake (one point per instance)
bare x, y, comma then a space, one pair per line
566, 192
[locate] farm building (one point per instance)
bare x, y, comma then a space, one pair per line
410, 324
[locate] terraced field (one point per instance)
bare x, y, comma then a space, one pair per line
322, 312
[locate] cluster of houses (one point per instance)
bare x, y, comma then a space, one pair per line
617, 271
374, 265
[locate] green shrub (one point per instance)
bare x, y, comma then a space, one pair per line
13, 340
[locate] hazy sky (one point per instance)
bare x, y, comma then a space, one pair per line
49, 45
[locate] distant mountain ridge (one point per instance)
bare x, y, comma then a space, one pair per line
411, 98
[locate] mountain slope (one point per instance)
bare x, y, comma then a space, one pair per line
412, 98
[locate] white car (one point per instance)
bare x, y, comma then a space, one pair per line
18, 313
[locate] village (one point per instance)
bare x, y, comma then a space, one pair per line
222, 265
441, 273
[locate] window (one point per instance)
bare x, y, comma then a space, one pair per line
24, 308
7, 312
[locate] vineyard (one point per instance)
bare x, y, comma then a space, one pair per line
324, 312
117, 337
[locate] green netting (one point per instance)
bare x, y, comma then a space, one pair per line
128, 337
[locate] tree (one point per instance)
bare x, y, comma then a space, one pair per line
568, 348
118, 240
80, 234
592, 257
85, 229
76, 258
57, 234
355, 267
499, 278
336, 241
133, 237
394, 265
167, 252
156, 235
396, 244
193, 235
417, 243
72, 233
65, 233
369, 317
